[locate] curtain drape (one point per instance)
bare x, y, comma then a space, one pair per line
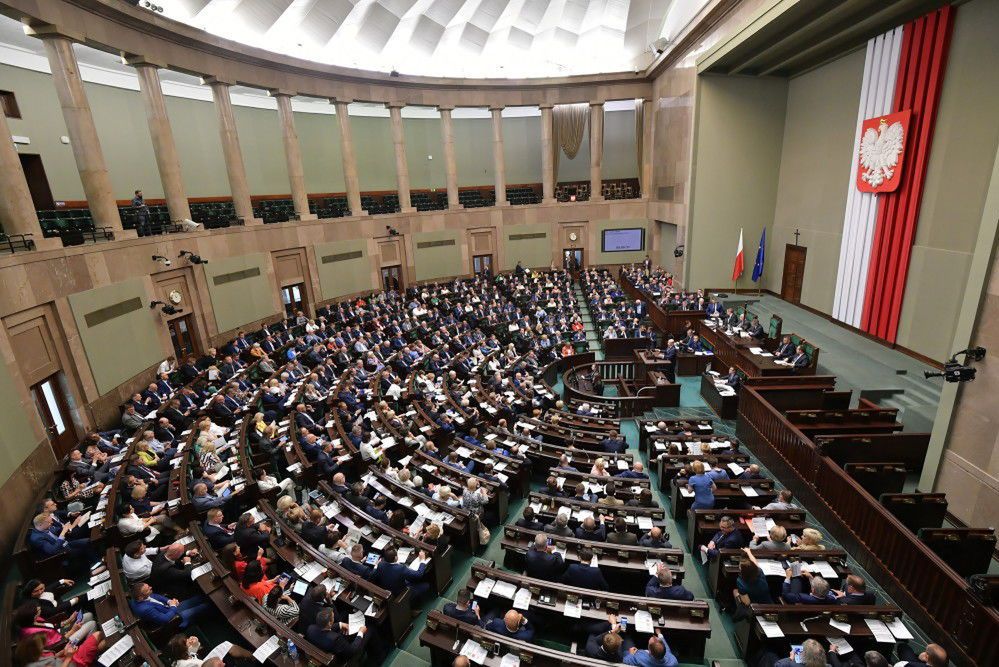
569, 121
639, 139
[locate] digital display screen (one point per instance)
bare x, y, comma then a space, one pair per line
623, 240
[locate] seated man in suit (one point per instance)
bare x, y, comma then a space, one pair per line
528, 521
733, 379
727, 537
791, 590
751, 472
661, 586
637, 472
156, 610
621, 534
934, 656
356, 563
785, 350
203, 500
584, 574
396, 577
614, 444
250, 537
655, 539
218, 534
560, 527
855, 592
591, 530
656, 655
171, 571
542, 563
756, 329
513, 625
783, 501
800, 359
463, 609
45, 544
604, 641
328, 635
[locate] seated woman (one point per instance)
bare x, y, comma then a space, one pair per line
282, 606
234, 560
47, 597
811, 540
600, 468
256, 584
76, 629
31, 652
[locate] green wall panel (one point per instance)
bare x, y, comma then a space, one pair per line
237, 302
439, 261
345, 276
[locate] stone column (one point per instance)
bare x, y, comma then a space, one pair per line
17, 211
82, 132
293, 155
648, 134
547, 156
401, 165
349, 161
164, 148
450, 165
596, 150
499, 161
231, 151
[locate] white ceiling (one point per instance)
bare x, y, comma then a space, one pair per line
453, 38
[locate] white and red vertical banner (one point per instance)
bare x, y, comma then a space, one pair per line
903, 79
740, 260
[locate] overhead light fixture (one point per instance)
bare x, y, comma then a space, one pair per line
161, 259
166, 308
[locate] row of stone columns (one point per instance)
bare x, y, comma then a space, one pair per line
17, 211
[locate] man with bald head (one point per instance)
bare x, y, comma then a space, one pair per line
637, 472
655, 539
656, 655
933, 656
542, 563
171, 572
513, 625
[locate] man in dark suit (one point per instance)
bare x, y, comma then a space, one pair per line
727, 537
249, 537
855, 592
356, 563
542, 563
614, 444
171, 571
328, 635
157, 610
621, 534
560, 527
756, 329
732, 379
45, 545
583, 574
785, 350
528, 521
791, 590
800, 359
513, 625
304, 420
933, 656
655, 539
218, 534
591, 530
669, 355
396, 577
661, 586
462, 609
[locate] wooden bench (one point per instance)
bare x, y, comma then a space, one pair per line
917, 510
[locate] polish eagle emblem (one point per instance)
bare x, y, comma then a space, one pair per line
882, 145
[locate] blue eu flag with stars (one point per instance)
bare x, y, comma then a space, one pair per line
758, 266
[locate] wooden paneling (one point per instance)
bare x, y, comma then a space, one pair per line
290, 267
34, 345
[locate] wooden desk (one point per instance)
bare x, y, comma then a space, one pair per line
728, 493
724, 570
703, 524
726, 407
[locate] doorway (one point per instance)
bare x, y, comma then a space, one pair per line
50, 401
392, 278
482, 263
38, 183
572, 259
293, 298
794, 272
181, 337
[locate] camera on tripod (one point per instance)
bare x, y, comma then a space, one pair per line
955, 371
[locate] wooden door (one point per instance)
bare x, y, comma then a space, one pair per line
181, 336
794, 272
54, 410
38, 183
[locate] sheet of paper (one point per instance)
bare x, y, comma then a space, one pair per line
750, 491
770, 629
759, 526
118, 649
651, 564
381, 542
484, 587
686, 493
505, 589
736, 469
510, 660
355, 622
103, 576
704, 556
574, 609
643, 622
823, 569
265, 650
898, 629
200, 570
882, 634
842, 646
110, 627
99, 591
219, 651
472, 649
522, 600
771, 568
842, 627
645, 523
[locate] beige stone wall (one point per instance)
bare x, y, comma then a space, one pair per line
815, 167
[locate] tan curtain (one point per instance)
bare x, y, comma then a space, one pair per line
640, 139
569, 121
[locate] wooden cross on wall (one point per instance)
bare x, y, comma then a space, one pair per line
796, 235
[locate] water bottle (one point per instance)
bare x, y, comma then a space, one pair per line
292, 651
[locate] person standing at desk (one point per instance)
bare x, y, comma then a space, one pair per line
703, 488
670, 356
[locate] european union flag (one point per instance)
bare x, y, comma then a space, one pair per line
758, 266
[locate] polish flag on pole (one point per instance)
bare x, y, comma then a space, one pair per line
739, 260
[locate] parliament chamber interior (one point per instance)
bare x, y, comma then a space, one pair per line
499, 332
